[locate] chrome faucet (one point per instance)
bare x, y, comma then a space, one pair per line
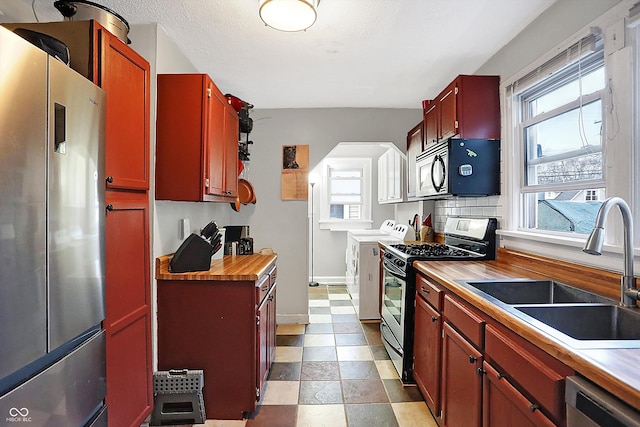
629, 294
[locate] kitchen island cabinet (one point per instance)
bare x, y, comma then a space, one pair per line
221, 321
197, 141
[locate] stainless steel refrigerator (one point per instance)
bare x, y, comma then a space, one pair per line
52, 270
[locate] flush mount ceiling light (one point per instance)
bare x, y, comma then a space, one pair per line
289, 15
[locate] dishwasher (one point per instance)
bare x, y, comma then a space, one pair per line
590, 406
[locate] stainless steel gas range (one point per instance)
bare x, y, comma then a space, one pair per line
466, 239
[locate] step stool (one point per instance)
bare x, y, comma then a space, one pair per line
178, 397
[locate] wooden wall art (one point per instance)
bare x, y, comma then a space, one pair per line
295, 172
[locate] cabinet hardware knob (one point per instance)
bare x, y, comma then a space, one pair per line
425, 290
481, 371
109, 180
499, 376
472, 359
533, 407
109, 207
434, 319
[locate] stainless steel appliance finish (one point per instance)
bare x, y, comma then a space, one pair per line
75, 205
465, 239
590, 406
23, 275
459, 167
51, 239
80, 375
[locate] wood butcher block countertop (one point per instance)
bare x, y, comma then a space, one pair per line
229, 268
614, 369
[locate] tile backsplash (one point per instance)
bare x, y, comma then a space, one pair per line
477, 207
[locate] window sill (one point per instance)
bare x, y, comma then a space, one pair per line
576, 242
345, 225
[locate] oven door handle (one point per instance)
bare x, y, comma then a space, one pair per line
393, 269
390, 338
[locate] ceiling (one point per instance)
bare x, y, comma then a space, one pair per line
359, 53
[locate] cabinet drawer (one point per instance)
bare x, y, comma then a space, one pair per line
537, 379
464, 320
503, 404
262, 288
430, 291
273, 274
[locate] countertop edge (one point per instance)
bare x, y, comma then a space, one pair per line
229, 268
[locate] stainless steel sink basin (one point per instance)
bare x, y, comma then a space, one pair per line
575, 317
531, 291
608, 325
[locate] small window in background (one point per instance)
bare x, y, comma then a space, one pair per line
345, 193
561, 132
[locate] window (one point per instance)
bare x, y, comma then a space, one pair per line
591, 196
560, 129
346, 193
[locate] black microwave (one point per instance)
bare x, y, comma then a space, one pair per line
459, 167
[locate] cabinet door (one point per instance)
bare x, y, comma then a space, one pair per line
128, 310
414, 147
222, 146
124, 76
448, 111
261, 348
431, 125
427, 345
231, 135
461, 381
215, 145
382, 178
504, 406
266, 339
395, 176
271, 331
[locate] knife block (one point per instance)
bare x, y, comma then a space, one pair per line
220, 252
194, 254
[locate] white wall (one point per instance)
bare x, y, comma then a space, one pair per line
282, 225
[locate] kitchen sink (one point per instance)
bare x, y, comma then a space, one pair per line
531, 291
573, 316
609, 325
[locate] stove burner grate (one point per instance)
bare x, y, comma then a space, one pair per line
430, 250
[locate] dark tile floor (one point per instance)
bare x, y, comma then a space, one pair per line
334, 372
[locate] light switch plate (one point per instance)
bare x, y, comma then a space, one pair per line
184, 228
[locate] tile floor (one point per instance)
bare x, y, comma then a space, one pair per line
334, 372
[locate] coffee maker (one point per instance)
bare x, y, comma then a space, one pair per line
237, 240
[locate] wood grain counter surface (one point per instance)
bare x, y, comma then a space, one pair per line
229, 268
614, 369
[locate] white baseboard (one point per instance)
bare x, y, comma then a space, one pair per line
330, 280
292, 319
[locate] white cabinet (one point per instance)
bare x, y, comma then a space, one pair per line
391, 174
